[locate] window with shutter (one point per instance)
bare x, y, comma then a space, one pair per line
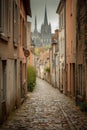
9, 18
23, 33
1, 15
16, 24
4, 18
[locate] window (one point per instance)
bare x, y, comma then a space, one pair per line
16, 24
3, 87
1, 12
23, 33
9, 10
4, 17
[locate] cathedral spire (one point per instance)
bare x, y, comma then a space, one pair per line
45, 17
35, 30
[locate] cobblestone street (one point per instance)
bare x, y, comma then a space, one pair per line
46, 109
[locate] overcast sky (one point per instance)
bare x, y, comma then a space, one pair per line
38, 9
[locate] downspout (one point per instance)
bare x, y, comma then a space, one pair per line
65, 46
76, 79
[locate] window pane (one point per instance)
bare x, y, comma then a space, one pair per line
6, 18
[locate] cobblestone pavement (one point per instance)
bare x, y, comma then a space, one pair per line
47, 109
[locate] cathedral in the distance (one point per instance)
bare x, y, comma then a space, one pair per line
42, 38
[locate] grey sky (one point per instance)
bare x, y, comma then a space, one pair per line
38, 9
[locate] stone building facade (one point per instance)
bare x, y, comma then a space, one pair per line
13, 17
54, 71
70, 47
61, 45
81, 50
75, 24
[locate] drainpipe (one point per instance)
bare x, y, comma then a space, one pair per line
65, 47
76, 85
55, 69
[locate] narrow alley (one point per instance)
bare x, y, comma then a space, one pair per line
46, 109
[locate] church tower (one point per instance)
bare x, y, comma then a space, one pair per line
45, 17
36, 35
46, 30
35, 29
42, 38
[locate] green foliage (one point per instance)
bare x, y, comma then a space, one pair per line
31, 76
47, 69
47, 47
37, 51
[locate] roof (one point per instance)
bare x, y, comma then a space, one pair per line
61, 3
27, 7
